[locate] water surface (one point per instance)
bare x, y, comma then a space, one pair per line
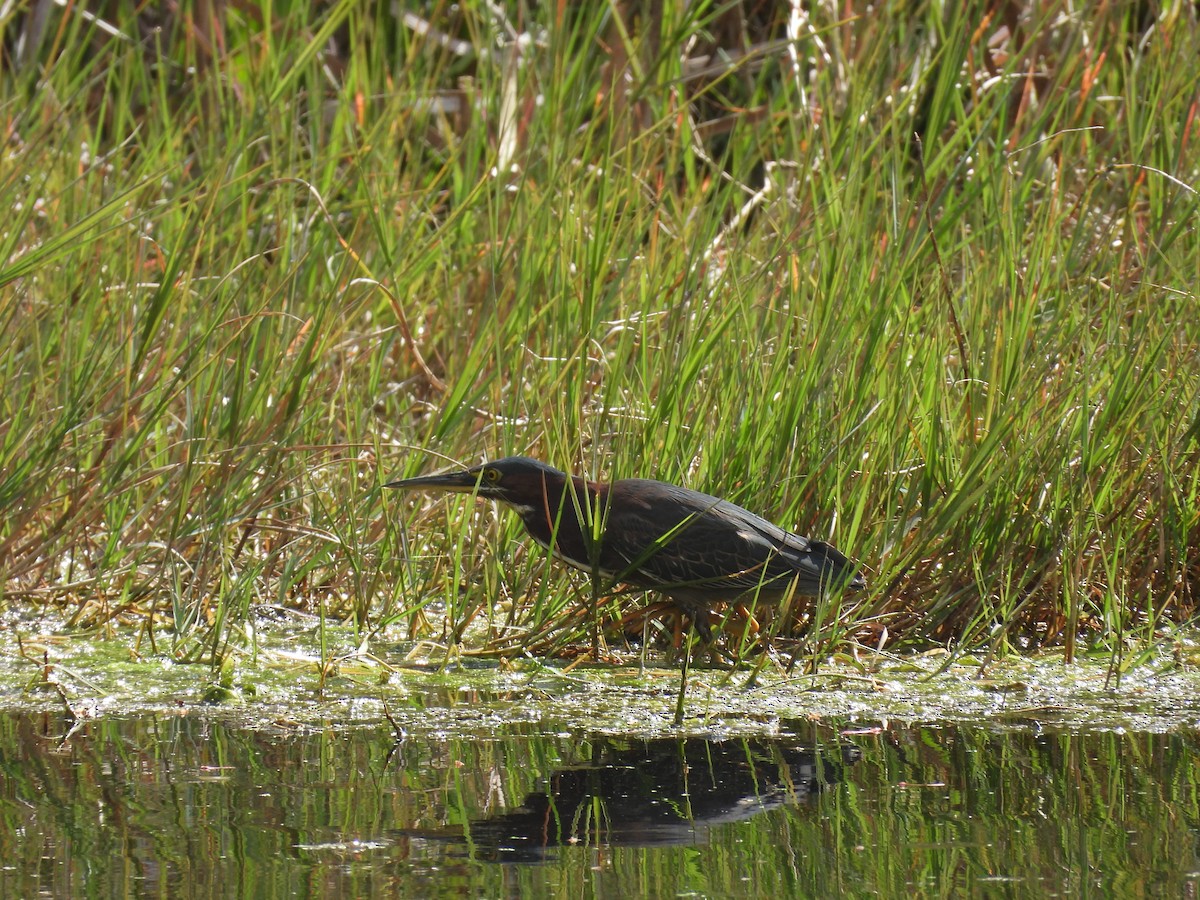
193, 806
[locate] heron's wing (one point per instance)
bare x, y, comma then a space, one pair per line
684, 540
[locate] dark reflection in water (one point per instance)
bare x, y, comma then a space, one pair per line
188, 807
653, 793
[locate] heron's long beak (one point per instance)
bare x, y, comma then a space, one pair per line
466, 482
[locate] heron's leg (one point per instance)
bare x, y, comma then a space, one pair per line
687, 660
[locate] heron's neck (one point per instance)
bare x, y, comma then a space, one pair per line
563, 516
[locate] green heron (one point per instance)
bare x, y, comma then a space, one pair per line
693, 548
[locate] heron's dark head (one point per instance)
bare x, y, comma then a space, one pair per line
516, 480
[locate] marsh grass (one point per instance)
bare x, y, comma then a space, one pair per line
927, 290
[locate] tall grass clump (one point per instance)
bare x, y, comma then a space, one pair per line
920, 281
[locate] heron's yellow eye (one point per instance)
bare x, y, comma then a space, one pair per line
491, 474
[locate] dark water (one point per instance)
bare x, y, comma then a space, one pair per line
189, 807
